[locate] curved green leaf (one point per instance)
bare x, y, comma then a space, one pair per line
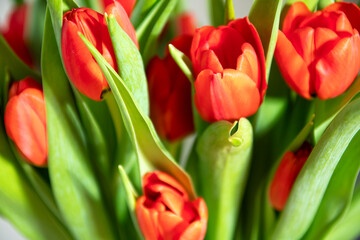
224, 150
339, 193
130, 64
150, 151
229, 11
150, 29
217, 12
76, 190
310, 186
348, 227
131, 196
265, 15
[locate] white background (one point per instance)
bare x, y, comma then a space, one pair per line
242, 7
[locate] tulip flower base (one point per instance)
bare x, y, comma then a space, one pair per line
133, 122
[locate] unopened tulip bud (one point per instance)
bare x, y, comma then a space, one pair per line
286, 174
82, 69
25, 120
170, 94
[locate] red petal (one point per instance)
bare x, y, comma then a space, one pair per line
192, 232
17, 87
292, 66
202, 210
171, 225
295, 15
248, 31
209, 60
147, 219
338, 69
199, 45
248, 63
351, 11
228, 97
203, 95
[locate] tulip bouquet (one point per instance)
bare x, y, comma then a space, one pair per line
124, 119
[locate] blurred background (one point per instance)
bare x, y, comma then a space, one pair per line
197, 7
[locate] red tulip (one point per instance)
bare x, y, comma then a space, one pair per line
14, 34
230, 66
170, 94
319, 53
185, 24
165, 211
128, 5
25, 120
286, 174
81, 67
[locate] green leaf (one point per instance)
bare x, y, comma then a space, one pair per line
76, 191
56, 8
217, 12
19, 202
265, 15
326, 110
224, 150
16, 67
183, 62
130, 64
151, 153
229, 11
150, 29
131, 196
348, 227
339, 193
324, 3
313, 180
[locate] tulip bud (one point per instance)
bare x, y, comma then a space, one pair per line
286, 174
185, 24
165, 211
229, 63
170, 94
319, 53
81, 67
128, 5
25, 120
14, 34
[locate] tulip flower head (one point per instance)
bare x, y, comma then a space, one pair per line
318, 53
25, 120
286, 174
81, 67
229, 64
170, 94
14, 33
165, 211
